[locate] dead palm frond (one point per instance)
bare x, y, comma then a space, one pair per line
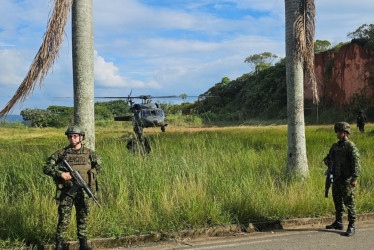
304, 42
46, 55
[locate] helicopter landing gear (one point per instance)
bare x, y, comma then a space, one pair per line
139, 144
163, 127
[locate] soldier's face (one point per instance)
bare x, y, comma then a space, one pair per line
74, 138
341, 135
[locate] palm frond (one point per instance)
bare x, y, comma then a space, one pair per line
304, 42
47, 54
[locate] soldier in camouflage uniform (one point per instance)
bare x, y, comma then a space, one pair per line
87, 162
344, 158
361, 119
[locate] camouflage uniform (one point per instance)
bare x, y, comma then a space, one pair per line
361, 118
345, 168
81, 159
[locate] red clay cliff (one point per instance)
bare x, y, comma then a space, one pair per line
342, 74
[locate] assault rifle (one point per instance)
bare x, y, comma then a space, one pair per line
79, 182
328, 182
329, 177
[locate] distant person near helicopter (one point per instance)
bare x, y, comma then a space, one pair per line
361, 119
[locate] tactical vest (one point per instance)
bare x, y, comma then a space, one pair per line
341, 158
80, 163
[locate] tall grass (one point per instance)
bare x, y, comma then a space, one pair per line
190, 180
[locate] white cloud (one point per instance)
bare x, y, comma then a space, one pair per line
10, 73
181, 47
106, 73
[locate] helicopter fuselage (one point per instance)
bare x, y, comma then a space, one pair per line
148, 115
144, 115
150, 118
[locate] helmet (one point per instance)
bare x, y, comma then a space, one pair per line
74, 130
342, 127
360, 111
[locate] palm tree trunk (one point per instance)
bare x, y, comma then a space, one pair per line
297, 164
83, 68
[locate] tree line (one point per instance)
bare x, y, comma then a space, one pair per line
62, 116
260, 94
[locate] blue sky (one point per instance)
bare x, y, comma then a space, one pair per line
159, 47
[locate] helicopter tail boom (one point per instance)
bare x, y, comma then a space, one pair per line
123, 118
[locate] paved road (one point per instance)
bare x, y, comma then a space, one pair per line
296, 238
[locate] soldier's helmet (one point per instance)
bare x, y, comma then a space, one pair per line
360, 111
342, 127
75, 130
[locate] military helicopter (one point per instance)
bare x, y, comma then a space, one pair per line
144, 115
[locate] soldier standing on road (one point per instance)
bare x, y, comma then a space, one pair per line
87, 162
344, 159
361, 119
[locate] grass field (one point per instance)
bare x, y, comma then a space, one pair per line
194, 177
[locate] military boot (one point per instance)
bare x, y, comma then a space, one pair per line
83, 244
59, 243
350, 230
338, 225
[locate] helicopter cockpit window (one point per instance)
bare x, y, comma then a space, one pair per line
156, 112
146, 113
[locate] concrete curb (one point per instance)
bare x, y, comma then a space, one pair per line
212, 231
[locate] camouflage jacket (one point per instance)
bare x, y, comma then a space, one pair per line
361, 119
345, 159
51, 167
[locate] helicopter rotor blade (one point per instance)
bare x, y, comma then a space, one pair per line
168, 96
135, 97
116, 97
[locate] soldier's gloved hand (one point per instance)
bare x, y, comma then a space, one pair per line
353, 183
66, 176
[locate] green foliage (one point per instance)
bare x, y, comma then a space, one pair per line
37, 117
61, 116
225, 80
53, 116
7, 124
337, 47
183, 96
321, 45
110, 109
262, 95
185, 108
364, 35
191, 180
184, 120
261, 61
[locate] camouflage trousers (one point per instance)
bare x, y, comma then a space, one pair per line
80, 200
361, 127
344, 194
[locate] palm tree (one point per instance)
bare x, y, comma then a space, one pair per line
83, 62
83, 68
300, 27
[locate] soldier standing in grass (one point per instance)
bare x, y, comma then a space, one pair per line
344, 158
361, 119
87, 162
